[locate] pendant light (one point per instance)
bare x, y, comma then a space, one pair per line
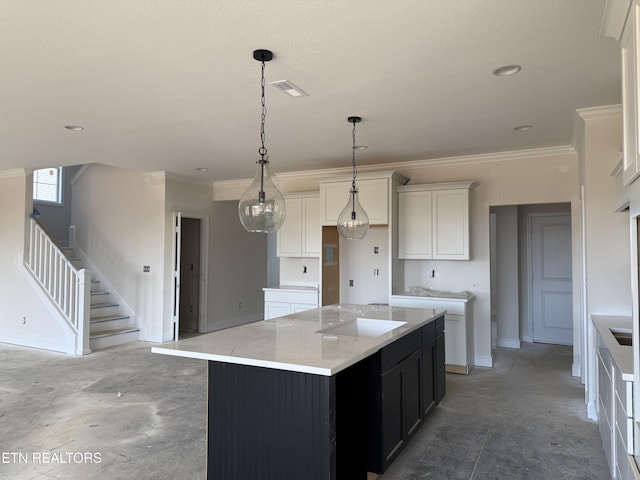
261, 207
353, 222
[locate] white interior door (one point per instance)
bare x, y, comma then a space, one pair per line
551, 286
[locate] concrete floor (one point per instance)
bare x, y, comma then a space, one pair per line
126, 413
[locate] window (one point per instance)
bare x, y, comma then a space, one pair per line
47, 185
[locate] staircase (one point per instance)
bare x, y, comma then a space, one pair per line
108, 326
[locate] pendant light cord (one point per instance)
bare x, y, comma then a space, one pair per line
262, 151
353, 155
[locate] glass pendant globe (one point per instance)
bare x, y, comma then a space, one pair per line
353, 222
264, 214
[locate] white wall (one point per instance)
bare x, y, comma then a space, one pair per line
120, 223
239, 269
27, 317
506, 277
607, 233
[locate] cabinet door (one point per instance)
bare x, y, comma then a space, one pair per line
311, 229
441, 386
414, 225
289, 239
450, 215
276, 309
412, 393
401, 405
301, 307
428, 377
392, 424
630, 104
372, 193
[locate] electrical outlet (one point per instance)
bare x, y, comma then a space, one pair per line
351, 283
376, 250
146, 268
431, 273
376, 272
304, 269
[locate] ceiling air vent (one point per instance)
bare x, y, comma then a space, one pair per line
289, 88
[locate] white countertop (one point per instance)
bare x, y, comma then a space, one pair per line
445, 298
293, 288
293, 343
621, 354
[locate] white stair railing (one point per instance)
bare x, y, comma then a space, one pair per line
67, 287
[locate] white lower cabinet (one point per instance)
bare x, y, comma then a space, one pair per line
279, 302
458, 328
615, 414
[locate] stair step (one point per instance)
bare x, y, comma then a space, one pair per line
106, 318
98, 295
115, 331
110, 338
108, 322
103, 308
104, 305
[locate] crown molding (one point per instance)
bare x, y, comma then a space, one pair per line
15, 172
614, 17
228, 189
584, 115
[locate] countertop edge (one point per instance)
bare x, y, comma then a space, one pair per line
622, 355
426, 297
297, 367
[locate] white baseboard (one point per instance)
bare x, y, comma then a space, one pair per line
576, 370
592, 413
27, 342
483, 361
508, 343
155, 338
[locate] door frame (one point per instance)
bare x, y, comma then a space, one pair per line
204, 271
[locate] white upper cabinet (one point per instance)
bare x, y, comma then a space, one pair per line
300, 234
433, 221
414, 225
374, 192
621, 21
630, 77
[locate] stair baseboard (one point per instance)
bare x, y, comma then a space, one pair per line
111, 338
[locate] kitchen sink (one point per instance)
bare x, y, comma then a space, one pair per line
622, 335
363, 327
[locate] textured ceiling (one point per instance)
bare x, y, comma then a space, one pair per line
171, 84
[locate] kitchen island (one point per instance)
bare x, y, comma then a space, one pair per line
326, 393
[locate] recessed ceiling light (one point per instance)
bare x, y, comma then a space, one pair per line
74, 128
360, 147
523, 128
507, 70
289, 88
202, 169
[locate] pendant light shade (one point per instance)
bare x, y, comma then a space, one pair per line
353, 222
261, 207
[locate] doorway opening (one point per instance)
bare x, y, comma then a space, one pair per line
189, 276
531, 274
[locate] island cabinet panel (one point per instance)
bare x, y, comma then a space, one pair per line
407, 382
440, 374
268, 424
428, 368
